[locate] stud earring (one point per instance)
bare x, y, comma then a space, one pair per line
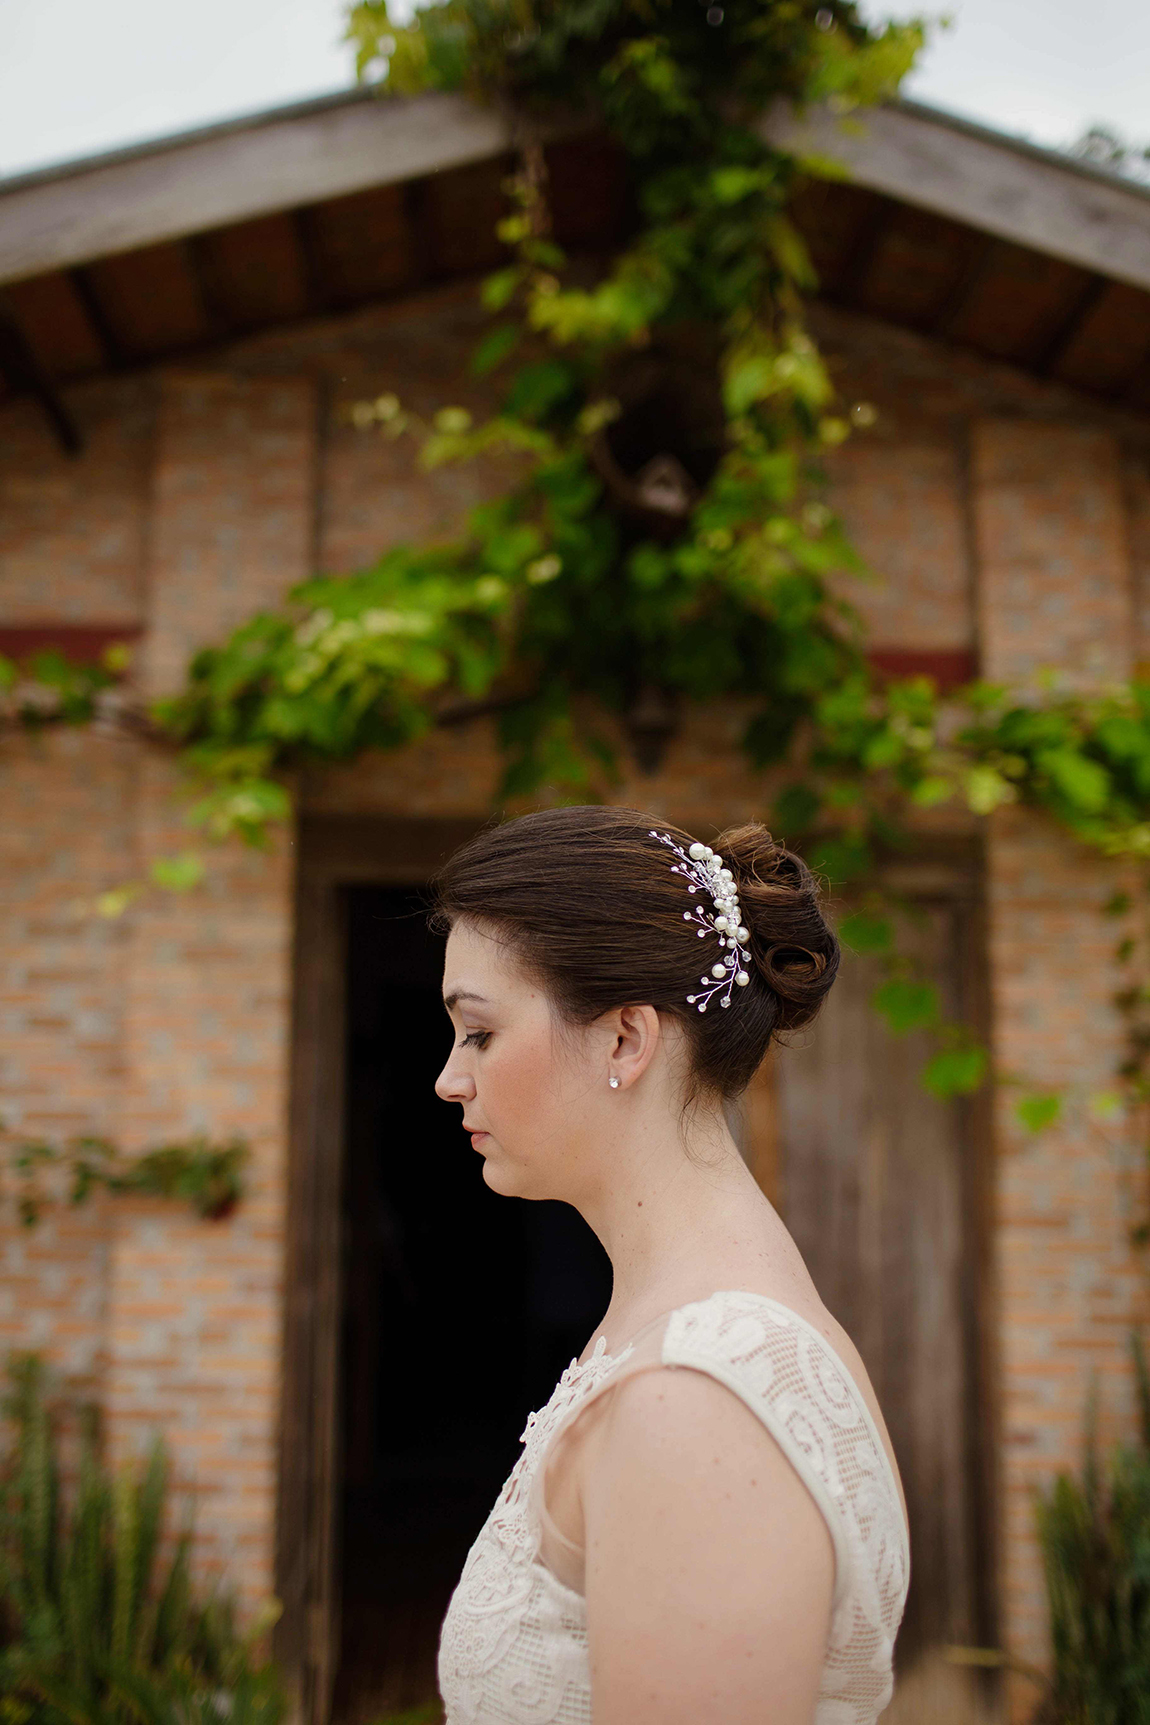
613, 1082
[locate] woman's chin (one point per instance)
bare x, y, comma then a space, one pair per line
500, 1176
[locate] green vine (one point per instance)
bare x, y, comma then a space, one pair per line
208, 1177
665, 539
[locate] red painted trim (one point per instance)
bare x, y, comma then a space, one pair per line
949, 666
82, 643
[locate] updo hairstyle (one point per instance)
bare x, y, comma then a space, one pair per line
587, 902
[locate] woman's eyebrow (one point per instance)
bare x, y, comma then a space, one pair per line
450, 1000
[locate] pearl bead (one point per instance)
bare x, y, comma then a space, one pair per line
742, 979
726, 874
697, 851
718, 970
716, 860
742, 934
708, 852
721, 921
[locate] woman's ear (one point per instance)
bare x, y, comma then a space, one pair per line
638, 1032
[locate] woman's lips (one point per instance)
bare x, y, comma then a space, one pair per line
477, 1138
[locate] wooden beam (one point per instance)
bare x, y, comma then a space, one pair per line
1058, 340
115, 358
851, 274
227, 174
324, 149
958, 295
26, 376
1035, 198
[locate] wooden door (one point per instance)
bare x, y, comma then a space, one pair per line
333, 853
880, 1184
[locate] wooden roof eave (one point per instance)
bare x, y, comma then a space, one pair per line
998, 185
323, 149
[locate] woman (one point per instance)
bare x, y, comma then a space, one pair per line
705, 1526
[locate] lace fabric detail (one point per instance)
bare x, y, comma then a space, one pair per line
513, 1649
788, 1373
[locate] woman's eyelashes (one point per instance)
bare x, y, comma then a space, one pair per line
476, 1039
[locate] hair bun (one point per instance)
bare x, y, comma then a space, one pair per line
794, 949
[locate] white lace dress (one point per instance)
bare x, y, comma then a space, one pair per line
513, 1649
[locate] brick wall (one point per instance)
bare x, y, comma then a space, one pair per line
1054, 589
1003, 516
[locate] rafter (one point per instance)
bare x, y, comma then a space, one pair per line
26, 375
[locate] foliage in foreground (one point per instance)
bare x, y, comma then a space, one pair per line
102, 1622
1095, 1537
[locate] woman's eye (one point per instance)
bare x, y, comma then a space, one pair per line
476, 1039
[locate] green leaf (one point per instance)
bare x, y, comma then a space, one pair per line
841, 860
865, 933
178, 873
1037, 1112
932, 790
796, 810
730, 185
906, 1005
1081, 781
498, 288
494, 348
985, 789
1106, 1105
539, 388
955, 1071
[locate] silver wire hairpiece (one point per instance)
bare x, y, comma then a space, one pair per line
705, 873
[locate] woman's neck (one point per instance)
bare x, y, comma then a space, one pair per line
678, 1213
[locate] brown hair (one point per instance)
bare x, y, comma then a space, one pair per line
587, 900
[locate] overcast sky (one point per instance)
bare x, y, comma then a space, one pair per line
80, 76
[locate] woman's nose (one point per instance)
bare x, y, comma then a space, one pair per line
454, 1085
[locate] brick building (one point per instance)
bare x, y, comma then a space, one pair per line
181, 330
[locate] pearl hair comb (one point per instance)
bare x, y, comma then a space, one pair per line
705, 872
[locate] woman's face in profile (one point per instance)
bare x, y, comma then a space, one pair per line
525, 1091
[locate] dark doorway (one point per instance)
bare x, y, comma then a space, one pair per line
460, 1309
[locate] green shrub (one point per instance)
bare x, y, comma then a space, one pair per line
102, 1624
1095, 1538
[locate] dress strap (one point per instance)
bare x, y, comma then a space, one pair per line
789, 1376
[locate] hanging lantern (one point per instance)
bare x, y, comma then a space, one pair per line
658, 454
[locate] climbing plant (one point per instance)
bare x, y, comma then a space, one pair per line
36, 1172
664, 538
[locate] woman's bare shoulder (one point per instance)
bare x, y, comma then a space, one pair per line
698, 1535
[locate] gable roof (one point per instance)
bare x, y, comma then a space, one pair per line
304, 154
943, 226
